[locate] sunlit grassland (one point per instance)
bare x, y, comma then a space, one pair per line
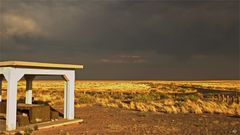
133, 86
156, 96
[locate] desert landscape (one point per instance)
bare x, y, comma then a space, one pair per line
144, 107
140, 67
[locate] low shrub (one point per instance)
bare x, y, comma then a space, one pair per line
85, 99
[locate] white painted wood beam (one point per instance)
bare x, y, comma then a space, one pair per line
69, 95
1, 79
12, 76
29, 80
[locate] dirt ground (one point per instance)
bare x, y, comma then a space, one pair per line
103, 121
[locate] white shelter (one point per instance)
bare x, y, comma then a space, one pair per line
13, 71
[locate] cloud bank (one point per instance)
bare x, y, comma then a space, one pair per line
122, 39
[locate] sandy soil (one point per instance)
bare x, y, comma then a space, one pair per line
99, 120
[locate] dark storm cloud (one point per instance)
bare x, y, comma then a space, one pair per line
186, 39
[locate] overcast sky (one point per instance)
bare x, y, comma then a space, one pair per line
126, 39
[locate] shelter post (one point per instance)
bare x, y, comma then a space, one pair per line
1, 79
12, 76
69, 95
29, 80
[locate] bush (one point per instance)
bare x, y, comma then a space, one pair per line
142, 98
85, 99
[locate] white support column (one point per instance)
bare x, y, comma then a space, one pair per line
12, 77
65, 98
1, 79
29, 80
11, 104
69, 96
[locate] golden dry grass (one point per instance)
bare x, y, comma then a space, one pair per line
156, 96
134, 86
